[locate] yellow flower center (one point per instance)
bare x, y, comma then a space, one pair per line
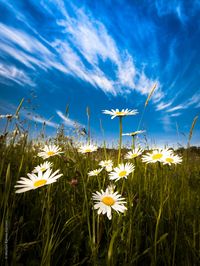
157, 156
109, 201
40, 183
120, 113
50, 153
88, 150
134, 133
169, 160
123, 173
133, 155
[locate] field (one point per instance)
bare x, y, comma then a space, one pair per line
58, 225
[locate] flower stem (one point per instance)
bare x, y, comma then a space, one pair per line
120, 139
133, 142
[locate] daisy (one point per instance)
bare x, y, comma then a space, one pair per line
95, 172
107, 164
156, 155
37, 180
42, 167
88, 148
133, 154
123, 112
111, 188
108, 168
123, 170
8, 116
172, 159
108, 200
132, 134
49, 151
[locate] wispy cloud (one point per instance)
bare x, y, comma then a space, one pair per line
22, 39
162, 105
94, 43
75, 67
195, 100
83, 44
166, 121
67, 121
8, 107
42, 120
171, 7
35, 117
178, 107
26, 49
192, 101
175, 114
16, 75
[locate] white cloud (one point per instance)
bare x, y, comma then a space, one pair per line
193, 101
75, 67
84, 42
42, 121
90, 37
178, 107
38, 118
14, 74
145, 85
175, 114
27, 50
67, 121
94, 43
8, 107
166, 121
173, 7
127, 72
22, 39
163, 105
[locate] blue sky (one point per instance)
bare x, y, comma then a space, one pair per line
103, 54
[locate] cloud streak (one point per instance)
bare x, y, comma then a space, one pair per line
95, 44
16, 75
41, 120
67, 121
192, 101
84, 44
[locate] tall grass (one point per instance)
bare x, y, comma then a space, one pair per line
57, 225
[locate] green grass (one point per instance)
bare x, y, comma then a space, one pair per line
56, 224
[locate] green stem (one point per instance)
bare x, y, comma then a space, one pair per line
120, 139
88, 116
6, 126
133, 142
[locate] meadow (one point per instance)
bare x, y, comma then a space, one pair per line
157, 221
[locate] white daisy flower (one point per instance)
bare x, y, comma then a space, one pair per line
108, 168
133, 154
37, 180
132, 134
42, 167
107, 164
8, 116
95, 172
122, 171
108, 200
123, 112
172, 159
156, 155
49, 151
87, 148
111, 188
